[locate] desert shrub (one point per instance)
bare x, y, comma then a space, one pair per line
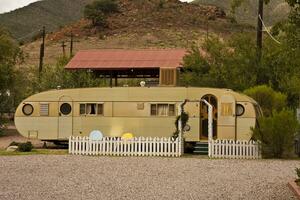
98, 10
1, 131
1, 128
14, 143
25, 147
277, 134
161, 4
298, 176
267, 98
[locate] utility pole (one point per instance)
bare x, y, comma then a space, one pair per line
42, 51
63, 45
207, 29
71, 45
260, 28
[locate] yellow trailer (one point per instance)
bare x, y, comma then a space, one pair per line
55, 115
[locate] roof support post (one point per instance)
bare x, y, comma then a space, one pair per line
110, 79
116, 79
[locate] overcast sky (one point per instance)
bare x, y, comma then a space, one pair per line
9, 5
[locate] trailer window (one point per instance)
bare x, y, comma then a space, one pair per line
82, 109
65, 109
226, 109
44, 109
91, 109
100, 109
171, 110
162, 110
240, 110
153, 109
27, 109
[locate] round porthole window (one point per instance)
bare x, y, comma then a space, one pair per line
240, 109
27, 109
65, 108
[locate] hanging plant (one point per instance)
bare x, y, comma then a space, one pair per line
184, 119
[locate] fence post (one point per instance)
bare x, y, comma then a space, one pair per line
70, 144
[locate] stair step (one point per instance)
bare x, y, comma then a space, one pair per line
201, 152
197, 147
201, 148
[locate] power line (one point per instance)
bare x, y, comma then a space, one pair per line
29, 34
268, 30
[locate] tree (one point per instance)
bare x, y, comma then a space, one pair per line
10, 55
230, 64
54, 76
98, 11
267, 98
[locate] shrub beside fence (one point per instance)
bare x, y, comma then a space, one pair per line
234, 149
134, 147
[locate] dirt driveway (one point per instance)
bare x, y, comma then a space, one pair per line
11, 135
79, 177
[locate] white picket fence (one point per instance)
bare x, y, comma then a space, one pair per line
110, 146
234, 149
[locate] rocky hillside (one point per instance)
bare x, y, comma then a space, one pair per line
142, 24
24, 23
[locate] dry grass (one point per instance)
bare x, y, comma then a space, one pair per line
35, 152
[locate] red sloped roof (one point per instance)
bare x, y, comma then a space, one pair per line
127, 59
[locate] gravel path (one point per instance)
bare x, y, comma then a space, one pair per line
78, 177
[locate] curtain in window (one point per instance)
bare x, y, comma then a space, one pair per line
162, 109
91, 109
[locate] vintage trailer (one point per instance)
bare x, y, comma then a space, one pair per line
55, 115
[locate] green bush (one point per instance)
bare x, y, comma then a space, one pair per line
267, 98
25, 147
277, 134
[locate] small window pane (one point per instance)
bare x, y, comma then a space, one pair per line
65, 109
91, 109
100, 109
171, 110
162, 109
82, 109
27, 109
44, 109
226, 109
153, 109
240, 110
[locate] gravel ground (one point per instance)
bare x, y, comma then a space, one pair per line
79, 177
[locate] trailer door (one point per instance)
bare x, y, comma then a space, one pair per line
65, 118
227, 117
